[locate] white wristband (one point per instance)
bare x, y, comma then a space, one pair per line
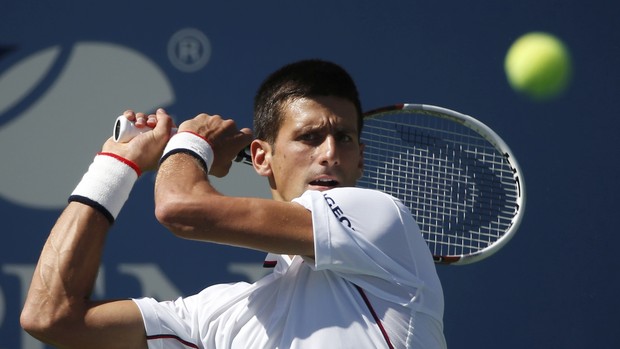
107, 184
192, 144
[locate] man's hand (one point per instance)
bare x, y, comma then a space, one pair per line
225, 139
145, 149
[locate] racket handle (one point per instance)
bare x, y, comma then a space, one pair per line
125, 130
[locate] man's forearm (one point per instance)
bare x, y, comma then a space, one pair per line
66, 272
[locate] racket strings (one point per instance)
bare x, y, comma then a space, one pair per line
439, 169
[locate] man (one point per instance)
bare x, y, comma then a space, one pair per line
351, 269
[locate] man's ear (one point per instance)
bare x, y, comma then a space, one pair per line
261, 157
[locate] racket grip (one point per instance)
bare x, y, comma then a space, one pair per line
125, 130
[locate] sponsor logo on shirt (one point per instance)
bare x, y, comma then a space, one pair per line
337, 211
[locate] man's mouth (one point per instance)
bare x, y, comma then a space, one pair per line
325, 182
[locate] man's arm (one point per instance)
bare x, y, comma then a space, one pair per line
189, 206
58, 309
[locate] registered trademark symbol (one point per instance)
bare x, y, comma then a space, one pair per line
189, 50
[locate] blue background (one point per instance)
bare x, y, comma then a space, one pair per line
554, 285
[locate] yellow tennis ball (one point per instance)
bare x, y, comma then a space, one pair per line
539, 65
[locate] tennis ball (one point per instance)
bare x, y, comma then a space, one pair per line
539, 65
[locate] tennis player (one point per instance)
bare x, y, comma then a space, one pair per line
350, 267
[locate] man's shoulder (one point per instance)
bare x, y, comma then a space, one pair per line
362, 199
356, 193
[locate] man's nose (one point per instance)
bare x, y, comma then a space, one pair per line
329, 154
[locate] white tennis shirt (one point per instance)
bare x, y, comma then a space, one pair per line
372, 281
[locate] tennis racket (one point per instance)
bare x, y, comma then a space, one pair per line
458, 178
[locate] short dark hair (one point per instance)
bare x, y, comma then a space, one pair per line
307, 78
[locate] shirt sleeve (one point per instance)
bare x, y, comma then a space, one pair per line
368, 237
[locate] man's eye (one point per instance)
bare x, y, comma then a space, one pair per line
309, 137
345, 138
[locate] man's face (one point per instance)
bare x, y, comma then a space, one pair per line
317, 147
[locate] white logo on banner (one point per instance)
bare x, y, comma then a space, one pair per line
46, 149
